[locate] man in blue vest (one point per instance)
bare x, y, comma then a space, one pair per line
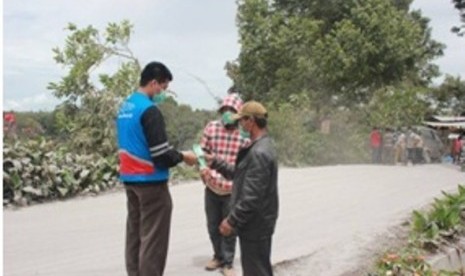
145, 157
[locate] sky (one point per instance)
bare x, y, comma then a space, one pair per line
192, 37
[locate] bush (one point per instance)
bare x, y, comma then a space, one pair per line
441, 225
296, 143
347, 143
299, 141
36, 171
407, 262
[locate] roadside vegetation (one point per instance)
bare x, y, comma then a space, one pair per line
431, 231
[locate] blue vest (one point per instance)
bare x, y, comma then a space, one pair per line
136, 164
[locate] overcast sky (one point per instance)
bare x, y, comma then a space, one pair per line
192, 37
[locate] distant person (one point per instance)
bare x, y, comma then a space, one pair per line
221, 138
418, 148
254, 200
375, 143
9, 120
409, 146
388, 146
145, 156
456, 149
412, 140
461, 161
400, 145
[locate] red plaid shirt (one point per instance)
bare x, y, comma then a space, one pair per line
224, 144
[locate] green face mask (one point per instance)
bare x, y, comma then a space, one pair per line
160, 97
227, 118
244, 133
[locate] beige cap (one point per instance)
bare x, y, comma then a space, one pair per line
251, 108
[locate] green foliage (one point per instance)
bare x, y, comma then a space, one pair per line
36, 171
442, 224
85, 49
326, 11
81, 157
89, 109
347, 143
357, 63
291, 127
272, 44
91, 102
184, 126
450, 96
429, 230
29, 125
336, 52
296, 129
34, 124
398, 106
375, 45
407, 262
460, 5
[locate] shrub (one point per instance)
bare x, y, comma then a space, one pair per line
36, 171
441, 225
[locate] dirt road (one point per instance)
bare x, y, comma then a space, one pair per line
332, 215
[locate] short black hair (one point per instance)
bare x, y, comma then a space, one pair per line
155, 71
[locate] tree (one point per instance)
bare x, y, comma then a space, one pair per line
327, 11
337, 52
40, 123
449, 97
272, 44
377, 45
398, 107
460, 5
184, 126
354, 63
90, 105
91, 101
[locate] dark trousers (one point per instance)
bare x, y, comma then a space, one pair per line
388, 155
419, 158
217, 208
148, 229
376, 155
255, 257
411, 155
